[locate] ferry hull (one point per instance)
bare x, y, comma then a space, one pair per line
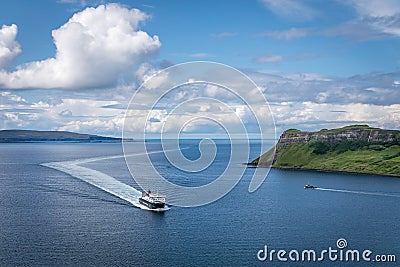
151, 205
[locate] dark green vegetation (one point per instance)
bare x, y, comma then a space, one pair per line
20, 136
357, 148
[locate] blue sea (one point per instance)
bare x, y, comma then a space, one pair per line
49, 217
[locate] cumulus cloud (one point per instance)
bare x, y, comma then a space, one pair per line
66, 113
310, 101
373, 88
9, 47
307, 101
313, 116
9, 98
61, 110
94, 48
97, 126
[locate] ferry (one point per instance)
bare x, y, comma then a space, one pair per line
308, 186
152, 201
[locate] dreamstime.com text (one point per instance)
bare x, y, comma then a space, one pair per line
339, 253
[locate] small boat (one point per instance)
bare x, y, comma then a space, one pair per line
308, 186
154, 202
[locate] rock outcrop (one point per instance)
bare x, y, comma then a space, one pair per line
349, 133
355, 148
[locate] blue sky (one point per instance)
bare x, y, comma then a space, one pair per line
238, 33
320, 64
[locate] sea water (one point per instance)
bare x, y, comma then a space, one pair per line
61, 217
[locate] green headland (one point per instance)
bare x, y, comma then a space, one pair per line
28, 136
355, 148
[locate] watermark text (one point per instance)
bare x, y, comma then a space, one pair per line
339, 253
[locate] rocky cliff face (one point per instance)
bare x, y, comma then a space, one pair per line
349, 133
355, 149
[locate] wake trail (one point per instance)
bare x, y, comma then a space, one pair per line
99, 179
87, 160
357, 192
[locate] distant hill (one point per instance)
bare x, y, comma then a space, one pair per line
19, 136
355, 148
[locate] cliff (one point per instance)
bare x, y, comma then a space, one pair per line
356, 148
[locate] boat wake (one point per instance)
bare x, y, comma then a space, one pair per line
358, 192
101, 180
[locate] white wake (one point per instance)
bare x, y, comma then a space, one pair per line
101, 180
357, 192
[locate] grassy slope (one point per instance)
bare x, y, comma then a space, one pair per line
365, 160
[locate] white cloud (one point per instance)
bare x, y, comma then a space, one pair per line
83, 107
7, 97
9, 47
376, 8
292, 33
82, 2
291, 9
94, 48
322, 89
154, 82
217, 92
310, 101
224, 34
377, 19
96, 126
39, 111
308, 77
66, 113
11, 116
314, 116
270, 59
307, 101
388, 25
199, 55
244, 113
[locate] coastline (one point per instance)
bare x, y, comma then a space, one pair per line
64, 141
250, 165
354, 149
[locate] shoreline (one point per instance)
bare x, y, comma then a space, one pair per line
325, 171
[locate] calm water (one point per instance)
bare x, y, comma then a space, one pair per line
49, 218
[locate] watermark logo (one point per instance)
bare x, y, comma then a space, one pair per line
196, 97
339, 253
341, 243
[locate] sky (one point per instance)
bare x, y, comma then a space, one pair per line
75, 64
